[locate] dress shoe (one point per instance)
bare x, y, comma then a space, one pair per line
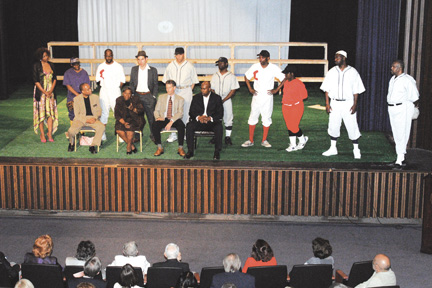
393, 164
134, 150
212, 140
216, 155
159, 152
228, 141
181, 152
93, 149
129, 153
397, 167
189, 155
71, 148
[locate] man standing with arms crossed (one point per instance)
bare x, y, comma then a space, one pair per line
225, 84
184, 74
264, 74
111, 78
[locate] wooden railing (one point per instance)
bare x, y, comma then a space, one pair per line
94, 62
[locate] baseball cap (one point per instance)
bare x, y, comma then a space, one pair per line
74, 60
222, 59
179, 50
141, 53
343, 53
264, 53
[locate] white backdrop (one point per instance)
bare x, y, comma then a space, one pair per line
184, 20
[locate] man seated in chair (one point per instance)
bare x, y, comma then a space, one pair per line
91, 268
87, 113
168, 113
383, 275
173, 256
206, 113
232, 274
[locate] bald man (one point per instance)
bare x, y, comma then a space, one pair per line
383, 275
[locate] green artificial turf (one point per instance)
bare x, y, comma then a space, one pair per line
19, 140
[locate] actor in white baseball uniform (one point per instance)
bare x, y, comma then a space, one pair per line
225, 84
264, 75
342, 85
111, 78
402, 93
184, 74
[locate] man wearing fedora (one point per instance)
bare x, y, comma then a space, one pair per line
144, 84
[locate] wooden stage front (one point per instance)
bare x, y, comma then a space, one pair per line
211, 187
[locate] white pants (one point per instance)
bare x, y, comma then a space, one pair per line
400, 121
228, 113
107, 101
186, 93
262, 104
340, 110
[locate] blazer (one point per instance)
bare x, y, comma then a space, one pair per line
38, 75
214, 107
173, 263
177, 108
152, 81
80, 110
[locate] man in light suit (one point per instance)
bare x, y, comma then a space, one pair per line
144, 84
206, 112
168, 113
87, 113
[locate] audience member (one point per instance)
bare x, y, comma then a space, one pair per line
262, 255
229, 285
383, 275
12, 270
24, 283
187, 280
85, 251
85, 285
128, 278
42, 250
130, 256
173, 256
92, 268
232, 274
322, 252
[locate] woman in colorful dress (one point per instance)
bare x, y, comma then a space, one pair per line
44, 99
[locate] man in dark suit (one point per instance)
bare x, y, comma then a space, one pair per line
206, 113
173, 256
144, 84
91, 268
232, 274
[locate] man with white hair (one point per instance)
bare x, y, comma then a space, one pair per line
92, 268
130, 256
232, 274
383, 275
173, 256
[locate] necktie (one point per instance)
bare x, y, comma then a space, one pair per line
169, 111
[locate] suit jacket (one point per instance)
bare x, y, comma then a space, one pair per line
152, 81
80, 110
214, 107
241, 280
177, 108
173, 263
73, 283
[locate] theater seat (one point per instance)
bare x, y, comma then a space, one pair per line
113, 275
43, 275
206, 276
162, 277
269, 276
359, 273
311, 276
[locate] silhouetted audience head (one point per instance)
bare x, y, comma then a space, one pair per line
43, 246
24, 283
187, 280
229, 285
92, 267
85, 285
85, 250
172, 251
261, 251
381, 263
130, 249
128, 276
231, 263
321, 248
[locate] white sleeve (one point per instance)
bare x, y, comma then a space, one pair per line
413, 93
249, 73
194, 77
359, 87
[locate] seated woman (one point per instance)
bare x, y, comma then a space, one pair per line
85, 251
130, 256
322, 251
129, 115
128, 278
12, 271
42, 250
262, 255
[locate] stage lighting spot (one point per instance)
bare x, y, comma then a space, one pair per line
165, 26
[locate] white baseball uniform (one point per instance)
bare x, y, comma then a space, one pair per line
110, 76
262, 102
223, 85
341, 87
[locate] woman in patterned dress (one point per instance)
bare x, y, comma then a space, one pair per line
44, 99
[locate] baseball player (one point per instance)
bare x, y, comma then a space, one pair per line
264, 74
225, 84
342, 85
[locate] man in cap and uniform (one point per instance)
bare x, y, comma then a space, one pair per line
225, 84
342, 85
184, 74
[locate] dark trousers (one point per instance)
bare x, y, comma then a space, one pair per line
159, 125
149, 103
193, 126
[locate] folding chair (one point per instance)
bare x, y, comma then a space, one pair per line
84, 129
140, 136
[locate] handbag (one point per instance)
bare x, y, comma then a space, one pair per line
86, 140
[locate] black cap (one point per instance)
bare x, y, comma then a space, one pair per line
179, 50
222, 59
290, 69
264, 53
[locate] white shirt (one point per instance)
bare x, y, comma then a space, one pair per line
72, 261
264, 77
387, 278
183, 74
402, 88
224, 84
110, 76
143, 79
206, 100
342, 85
137, 261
